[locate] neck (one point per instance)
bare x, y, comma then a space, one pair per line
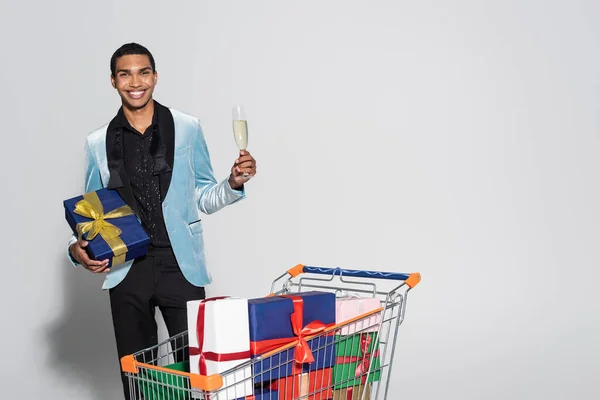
140, 118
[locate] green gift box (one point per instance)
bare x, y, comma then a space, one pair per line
157, 385
357, 360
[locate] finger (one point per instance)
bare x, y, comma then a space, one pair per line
247, 164
104, 268
92, 263
244, 167
99, 268
244, 159
82, 243
241, 171
91, 268
249, 171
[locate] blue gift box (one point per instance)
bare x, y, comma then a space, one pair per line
262, 394
270, 319
132, 232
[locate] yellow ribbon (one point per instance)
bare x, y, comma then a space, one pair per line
91, 207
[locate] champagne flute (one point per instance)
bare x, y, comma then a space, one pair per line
240, 129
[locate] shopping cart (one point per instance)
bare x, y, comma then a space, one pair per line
359, 352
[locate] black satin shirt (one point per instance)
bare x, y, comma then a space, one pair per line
145, 184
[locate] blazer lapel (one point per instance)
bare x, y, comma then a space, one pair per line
118, 180
164, 150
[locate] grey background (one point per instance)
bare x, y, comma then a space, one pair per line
458, 139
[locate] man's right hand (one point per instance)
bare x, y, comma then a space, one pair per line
78, 252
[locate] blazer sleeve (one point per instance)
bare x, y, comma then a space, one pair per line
93, 182
212, 195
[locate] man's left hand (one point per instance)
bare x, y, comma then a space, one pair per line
244, 165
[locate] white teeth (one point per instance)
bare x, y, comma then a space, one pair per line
136, 94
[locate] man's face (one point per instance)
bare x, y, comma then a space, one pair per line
134, 80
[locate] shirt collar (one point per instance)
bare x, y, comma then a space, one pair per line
122, 122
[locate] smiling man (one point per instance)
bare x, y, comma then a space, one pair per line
157, 159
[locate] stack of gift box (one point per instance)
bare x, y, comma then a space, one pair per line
269, 343
287, 347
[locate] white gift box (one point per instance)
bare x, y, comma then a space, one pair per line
226, 331
347, 308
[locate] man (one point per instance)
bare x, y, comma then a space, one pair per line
157, 159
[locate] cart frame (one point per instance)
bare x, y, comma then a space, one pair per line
151, 374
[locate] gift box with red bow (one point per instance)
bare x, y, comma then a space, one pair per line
357, 360
265, 394
351, 307
277, 321
315, 385
219, 340
361, 392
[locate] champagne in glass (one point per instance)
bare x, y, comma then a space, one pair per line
240, 128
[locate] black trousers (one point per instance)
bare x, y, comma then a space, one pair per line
154, 280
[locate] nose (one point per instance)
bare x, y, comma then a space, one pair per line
135, 81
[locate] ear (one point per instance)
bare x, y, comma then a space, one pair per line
112, 81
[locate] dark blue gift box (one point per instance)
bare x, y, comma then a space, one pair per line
270, 318
262, 394
133, 235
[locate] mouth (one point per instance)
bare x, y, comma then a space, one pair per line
137, 94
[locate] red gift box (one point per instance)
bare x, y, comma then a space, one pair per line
319, 383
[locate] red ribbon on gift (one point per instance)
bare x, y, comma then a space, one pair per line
364, 360
302, 351
349, 393
318, 382
209, 355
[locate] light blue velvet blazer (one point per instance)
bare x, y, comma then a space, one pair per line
192, 190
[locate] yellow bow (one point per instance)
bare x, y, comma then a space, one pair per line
91, 207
